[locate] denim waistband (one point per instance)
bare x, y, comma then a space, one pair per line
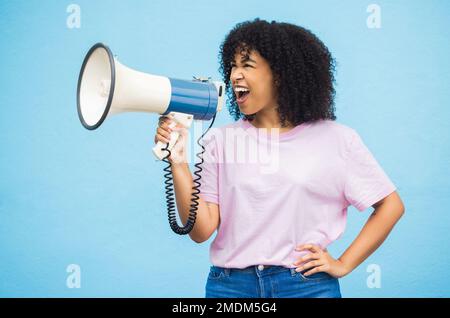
255, 269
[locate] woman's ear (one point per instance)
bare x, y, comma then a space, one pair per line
277, 81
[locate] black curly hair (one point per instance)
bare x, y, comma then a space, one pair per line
301, 64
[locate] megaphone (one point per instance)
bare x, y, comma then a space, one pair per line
106, 87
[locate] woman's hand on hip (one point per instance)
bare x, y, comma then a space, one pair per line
319, 261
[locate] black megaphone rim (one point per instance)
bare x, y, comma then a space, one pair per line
111, 89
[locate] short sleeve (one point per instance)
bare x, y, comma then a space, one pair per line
365, 183
209, 182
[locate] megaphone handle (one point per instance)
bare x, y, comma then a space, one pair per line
158, 149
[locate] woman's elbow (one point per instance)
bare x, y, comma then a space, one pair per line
200, 238
401, 206
395, 203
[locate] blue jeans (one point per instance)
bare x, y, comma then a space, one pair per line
269, 282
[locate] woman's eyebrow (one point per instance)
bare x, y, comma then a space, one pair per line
244, 59
248, 59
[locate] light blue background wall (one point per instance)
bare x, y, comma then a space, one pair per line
96, 199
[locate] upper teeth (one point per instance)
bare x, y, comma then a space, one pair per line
241, 89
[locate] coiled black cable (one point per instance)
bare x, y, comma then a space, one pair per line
170, 192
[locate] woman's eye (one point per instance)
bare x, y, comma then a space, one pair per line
245, 65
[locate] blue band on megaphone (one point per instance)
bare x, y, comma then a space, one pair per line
199, 99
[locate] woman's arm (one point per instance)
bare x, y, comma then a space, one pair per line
207, 219
208, 215
387, 212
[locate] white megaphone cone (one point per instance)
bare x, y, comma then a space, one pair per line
107, 87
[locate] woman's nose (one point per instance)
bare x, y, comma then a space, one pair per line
236, 76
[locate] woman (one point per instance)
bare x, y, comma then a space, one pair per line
273, 225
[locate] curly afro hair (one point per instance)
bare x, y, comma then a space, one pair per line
301, 64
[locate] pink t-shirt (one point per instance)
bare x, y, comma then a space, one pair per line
278, 190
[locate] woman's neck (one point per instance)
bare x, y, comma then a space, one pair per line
269, 121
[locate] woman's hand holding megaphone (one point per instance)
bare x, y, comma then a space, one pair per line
178, 152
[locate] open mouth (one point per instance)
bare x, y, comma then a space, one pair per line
241, 94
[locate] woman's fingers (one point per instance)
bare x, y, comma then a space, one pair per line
165, 126
307, 258
164, 122
163, 119
309, 265
315, 270
311, 259
162, 138
313, 248
163, 132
